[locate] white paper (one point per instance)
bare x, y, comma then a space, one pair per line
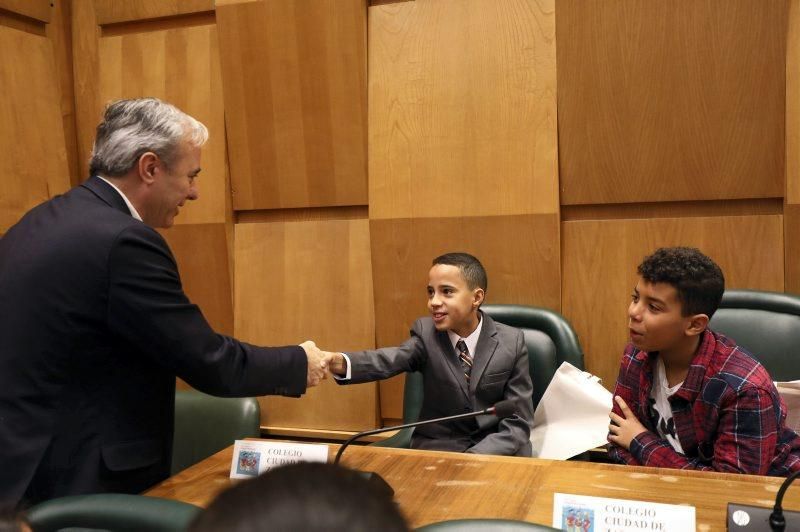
251, 458
572, 416
581, 513
790, 393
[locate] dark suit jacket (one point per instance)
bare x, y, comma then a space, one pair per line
499, 371
94, 327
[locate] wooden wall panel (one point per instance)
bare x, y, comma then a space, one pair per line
520, 253
462, 108
791, 219
86, 76
40, 10
201, 252
297, 281
793, 105
59, 31
114, 11
600, 260
295, 94
181, 66
661, 101
34, 167
792, 207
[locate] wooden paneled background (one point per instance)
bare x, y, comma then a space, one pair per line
353, 141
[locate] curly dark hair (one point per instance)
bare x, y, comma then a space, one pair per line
697, 279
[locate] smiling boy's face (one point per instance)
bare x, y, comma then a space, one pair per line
452, 304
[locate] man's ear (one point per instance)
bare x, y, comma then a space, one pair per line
148, 166
477, 297
697, 324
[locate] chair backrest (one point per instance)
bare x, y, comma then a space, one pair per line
767, 324
549, 338
112, 511
205, 425
479, 525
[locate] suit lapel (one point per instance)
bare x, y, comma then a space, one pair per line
484, 351
451, 358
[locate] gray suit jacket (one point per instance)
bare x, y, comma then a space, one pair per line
500, 371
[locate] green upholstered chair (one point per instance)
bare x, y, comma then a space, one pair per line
205, 425
479, 525
767, 324
549, 338
412, 404
112, 511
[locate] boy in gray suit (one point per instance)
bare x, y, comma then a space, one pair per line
468, 363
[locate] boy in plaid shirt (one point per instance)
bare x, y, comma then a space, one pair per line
687, 397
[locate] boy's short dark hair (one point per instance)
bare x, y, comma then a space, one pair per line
697, 279
313, 497
471, 268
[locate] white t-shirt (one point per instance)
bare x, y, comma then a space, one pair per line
661, 410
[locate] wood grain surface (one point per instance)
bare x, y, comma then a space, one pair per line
435, 486
295, 101
462, 109
668, 101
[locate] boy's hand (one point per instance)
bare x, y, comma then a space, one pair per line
336, 363
626, 427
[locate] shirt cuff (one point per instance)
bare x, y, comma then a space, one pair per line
348, 374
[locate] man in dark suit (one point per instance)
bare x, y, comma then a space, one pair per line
94, 324
468, 362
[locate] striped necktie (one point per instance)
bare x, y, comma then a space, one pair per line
464, 357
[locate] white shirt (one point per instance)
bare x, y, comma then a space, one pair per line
131, 208
471, 341
661, 414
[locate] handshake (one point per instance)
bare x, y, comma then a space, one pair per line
320, 363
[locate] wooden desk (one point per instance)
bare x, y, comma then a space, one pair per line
435, 486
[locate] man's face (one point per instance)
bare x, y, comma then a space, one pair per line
654, 317
172, 186
451, 302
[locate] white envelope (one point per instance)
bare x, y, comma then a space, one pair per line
572, 416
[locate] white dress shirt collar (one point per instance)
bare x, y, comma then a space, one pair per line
131, 208
471, 340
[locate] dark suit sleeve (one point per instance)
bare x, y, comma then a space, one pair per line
513, 432
148, 309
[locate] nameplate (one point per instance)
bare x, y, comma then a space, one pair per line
251, 458
579, 513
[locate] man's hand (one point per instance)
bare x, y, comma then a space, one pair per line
336, 363
627, 426
317, 364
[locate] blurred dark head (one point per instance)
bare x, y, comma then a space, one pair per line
309, 496
13, 521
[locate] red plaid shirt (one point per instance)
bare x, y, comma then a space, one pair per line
728, 415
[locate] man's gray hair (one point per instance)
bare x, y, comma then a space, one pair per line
131, 128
